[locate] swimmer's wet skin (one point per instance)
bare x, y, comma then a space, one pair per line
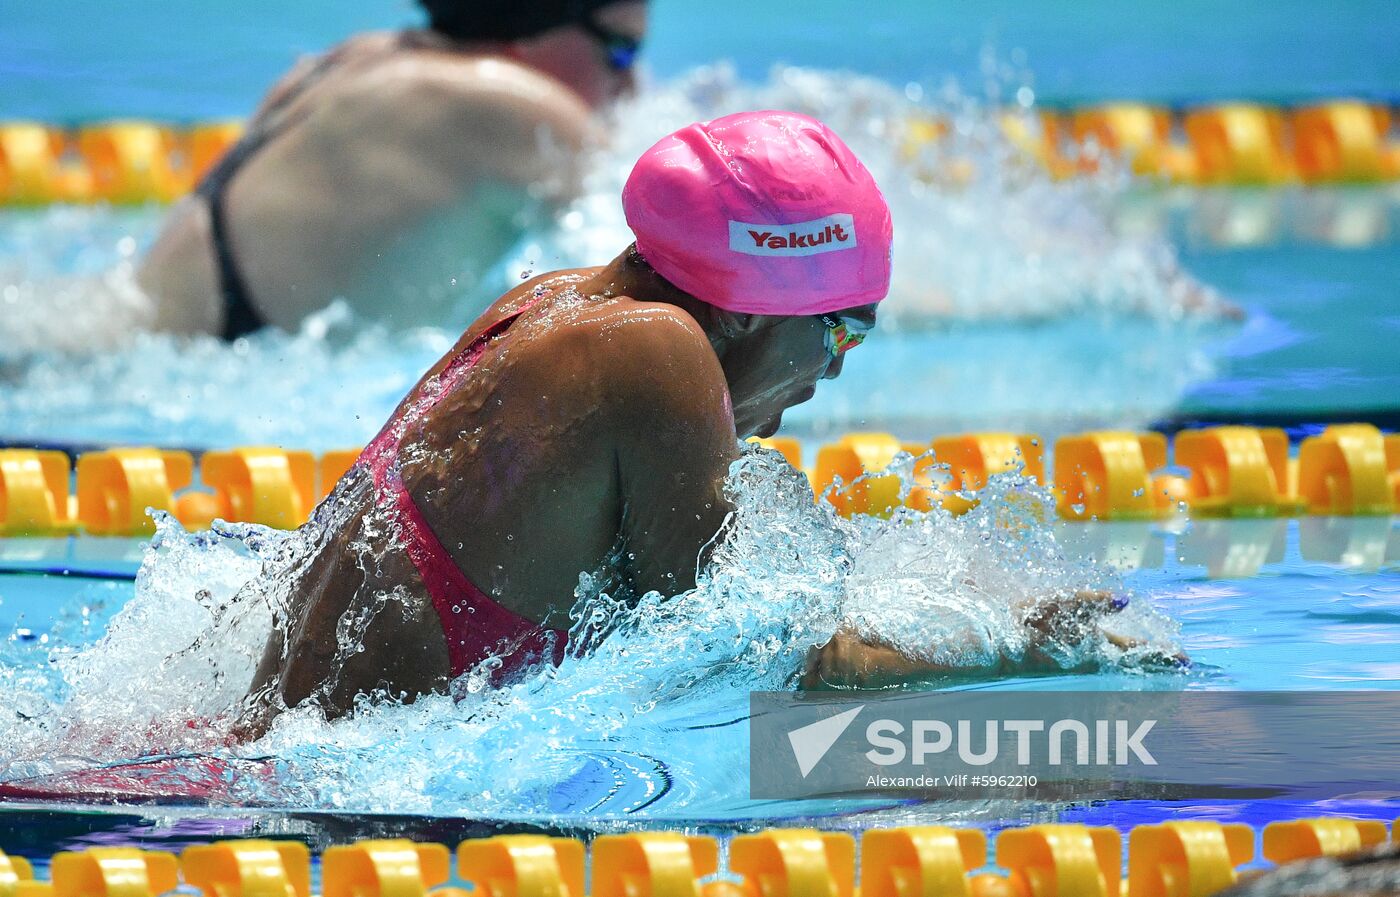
587, 422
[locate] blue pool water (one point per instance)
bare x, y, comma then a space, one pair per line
1025, 305
1274, 604
123, 60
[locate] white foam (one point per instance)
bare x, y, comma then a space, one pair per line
659, 701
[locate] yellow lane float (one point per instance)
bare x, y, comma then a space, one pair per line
262, 484
1056, 861
1340, 142
1238, 143
1108, 475
115, 487
1332, 141
134, 162
114, 872
385, 868
34, 493
1236, 471
1134, 132
927, 860
1302, 839
1186, 859
1344, 471
523, 866
794, 863
30, 173
651, 863
1181, 858
251, 868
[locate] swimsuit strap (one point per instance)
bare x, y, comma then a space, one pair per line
474, 625
382, 453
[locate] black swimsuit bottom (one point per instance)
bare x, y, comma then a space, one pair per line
241, 316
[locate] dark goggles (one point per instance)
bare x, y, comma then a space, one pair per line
621, 49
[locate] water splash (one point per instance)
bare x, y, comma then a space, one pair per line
996, 263
981, 233
647, 723
329, 385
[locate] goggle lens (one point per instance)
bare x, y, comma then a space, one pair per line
843, 334
621, 49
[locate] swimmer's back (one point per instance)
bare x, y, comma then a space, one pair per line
395, 170
575, 434
529, 463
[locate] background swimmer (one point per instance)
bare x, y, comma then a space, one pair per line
587, 421
394, 170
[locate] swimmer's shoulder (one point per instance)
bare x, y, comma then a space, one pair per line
470, 107
656, 358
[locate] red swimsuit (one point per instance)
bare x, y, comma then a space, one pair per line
476, 627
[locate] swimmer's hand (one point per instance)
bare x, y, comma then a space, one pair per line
1072, 619
850, 660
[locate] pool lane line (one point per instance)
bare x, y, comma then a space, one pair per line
1297, 424
70, 573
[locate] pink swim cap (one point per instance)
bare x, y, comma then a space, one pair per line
764, 213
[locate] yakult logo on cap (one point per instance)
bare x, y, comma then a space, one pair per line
830, 234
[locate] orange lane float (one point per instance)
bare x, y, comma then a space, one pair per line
973, 458
334, 465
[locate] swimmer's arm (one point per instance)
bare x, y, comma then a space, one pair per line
675, 442
851, 660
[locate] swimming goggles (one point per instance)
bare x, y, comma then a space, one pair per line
621, 49
843, 334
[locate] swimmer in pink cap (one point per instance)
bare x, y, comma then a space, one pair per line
586, 424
